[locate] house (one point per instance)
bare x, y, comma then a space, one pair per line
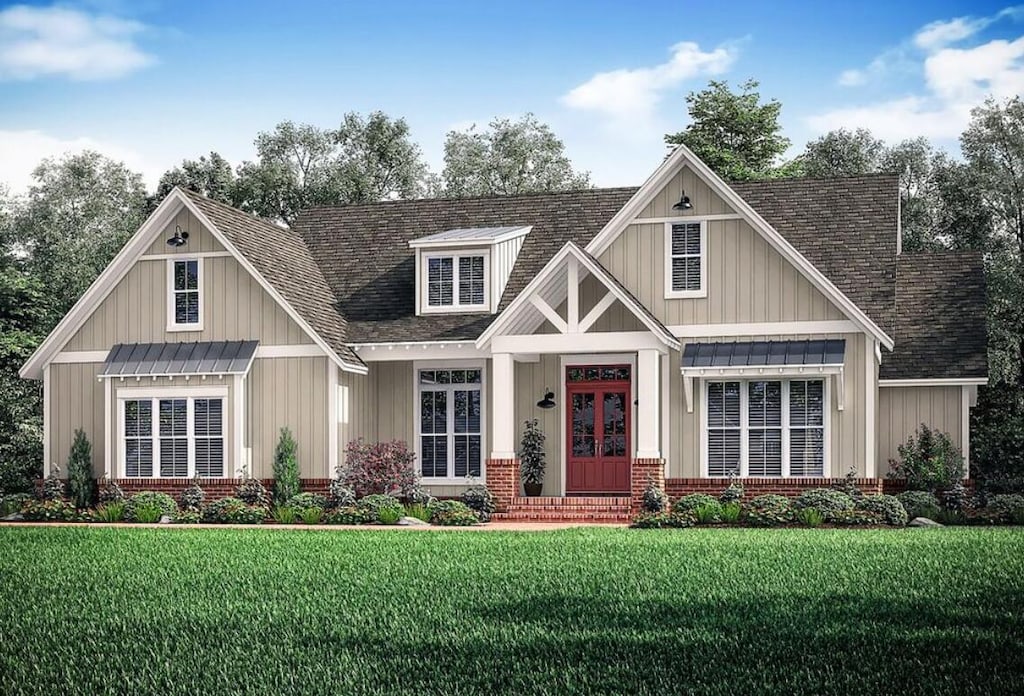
678, 332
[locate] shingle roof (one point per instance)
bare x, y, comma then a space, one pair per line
282, 258
758, 353
940, 305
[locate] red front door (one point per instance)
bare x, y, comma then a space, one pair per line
597, 432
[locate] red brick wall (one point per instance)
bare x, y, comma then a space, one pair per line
214, 488
503, 480
643, 471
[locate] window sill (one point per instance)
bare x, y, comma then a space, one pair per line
685, 294
457, 309
175, 328
460, 481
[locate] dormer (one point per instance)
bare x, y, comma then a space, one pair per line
465, 270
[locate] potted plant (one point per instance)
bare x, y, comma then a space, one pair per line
531, 459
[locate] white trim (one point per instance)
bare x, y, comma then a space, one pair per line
332, 418
455, 307
171, 391
239, 425
550, 314
596, 312
647, 408
450, 425
666, 410
302, 350
108, 454
670, 292
418, 350
427, 243
934, 382
604, 342
572, 295
172, 324
47, 421
768, 328
171, 376
80, 357
189, 255
714, 217
870, 407
765, 372
663, 174
965, 428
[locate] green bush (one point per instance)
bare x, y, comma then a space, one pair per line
187, 517
733, 493
809, 517
110, 491
827, 501
352, 514
857, 518
53, 485
110, 512
848, 484
709, 513
193, 496
654, 499
372, 505
340, 494
81, 484
768, 511
282, 514
662, 520
50, 511
689, 503
286, 467
731, 512
929, 461
311, 515
919, 504
419, 511
147, 514
233, 511
531, 453
391, 516
13, 502
163, 502
452, 513
1004, 506
480, 500
303, 501
887, 507
251, 491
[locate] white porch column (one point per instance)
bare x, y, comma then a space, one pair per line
648, 394
503, 427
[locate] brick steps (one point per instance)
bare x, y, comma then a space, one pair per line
602, 517
609, 510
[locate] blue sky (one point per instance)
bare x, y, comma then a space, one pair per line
153, 81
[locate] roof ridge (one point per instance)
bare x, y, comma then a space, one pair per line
448, 199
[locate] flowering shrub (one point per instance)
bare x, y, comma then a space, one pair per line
733, 493
379, 468
251, 490
193, 496
340, 495
110, 491
233, 511
479, 499
654, 499
53, 485
452, 513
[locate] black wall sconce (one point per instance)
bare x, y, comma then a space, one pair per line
684, 202
548, 401
179, 239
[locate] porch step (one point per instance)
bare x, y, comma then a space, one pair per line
533, 516
568, 509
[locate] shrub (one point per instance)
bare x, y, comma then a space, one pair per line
340, 494
479, 499
110, 491
311, 515
350, 515
251, 491
662, 520
283, 514
958, 498
654, 499
827, 501
928, 461
452, 513
848, 484
419, 511
13, 503
161, 501
110, 512
809, 517
304, 501
50, 511
419, 495
187, 517
390, 516
383, 468
731, 512
888, 507
531, 453
233, 511
1005, 506
689, 503
857, 518
919, 504
709, 513
768, 511
371, 506
81, 485
286, 467
733, 493
193, 496
53, 485
148, 513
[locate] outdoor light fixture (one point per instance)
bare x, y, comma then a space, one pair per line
548, 401
179, 239
684, 202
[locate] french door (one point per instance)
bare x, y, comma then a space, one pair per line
598, 412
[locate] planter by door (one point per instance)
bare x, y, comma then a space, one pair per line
598, 412
533, 490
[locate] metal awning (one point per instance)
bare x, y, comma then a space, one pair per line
765, 360
173, 359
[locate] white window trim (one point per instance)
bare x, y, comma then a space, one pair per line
156, 394
450, 365
670, 293
455, 307
744, 422
172, 325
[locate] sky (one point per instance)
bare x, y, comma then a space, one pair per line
152, 82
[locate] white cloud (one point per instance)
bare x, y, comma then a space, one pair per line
24, 150
852, 78
627, 94
55, 41
955, 81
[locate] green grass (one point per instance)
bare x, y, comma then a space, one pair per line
141, 611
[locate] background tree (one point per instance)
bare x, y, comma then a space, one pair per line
734, 133
842, 153
509, 157
211, 176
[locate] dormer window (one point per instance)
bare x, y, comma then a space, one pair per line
184, 295
457, 281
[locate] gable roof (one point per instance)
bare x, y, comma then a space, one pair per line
940, 325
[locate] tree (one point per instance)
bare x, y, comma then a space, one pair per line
842, 153
286, 468
378, 159
733, 133
509, 157
81, 484
211, 176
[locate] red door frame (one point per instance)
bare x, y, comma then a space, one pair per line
599, 388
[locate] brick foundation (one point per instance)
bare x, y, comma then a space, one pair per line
214, 488
753, 487
503, 480
640, 474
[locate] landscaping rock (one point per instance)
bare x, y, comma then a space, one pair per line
411, 522
923, 522
15, 517
165, 519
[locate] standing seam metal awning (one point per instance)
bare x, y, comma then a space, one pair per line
173, 359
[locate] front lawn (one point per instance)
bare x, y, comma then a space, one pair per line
217, 611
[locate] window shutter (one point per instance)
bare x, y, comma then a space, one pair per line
723, 428
807, 431
686, 256
471, 280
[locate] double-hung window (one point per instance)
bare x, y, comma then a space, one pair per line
454, 282
765, 428
685, 259
450, 423
184, 302
173, 437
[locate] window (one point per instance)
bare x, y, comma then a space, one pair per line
455, 282
450, 423
184, 311
765, 428
685, 259
184, 440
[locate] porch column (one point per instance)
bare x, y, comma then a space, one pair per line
503, 467
648, 413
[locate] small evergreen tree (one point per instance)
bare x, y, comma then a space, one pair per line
81, 484
286, 468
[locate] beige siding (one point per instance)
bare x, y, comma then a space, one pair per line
531, 381
358, 418
76, 401
200, 239
292, 393
846, 427
702, 198
901, 410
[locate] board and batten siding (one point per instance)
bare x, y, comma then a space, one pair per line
503, 258
200, 239
356, 410
76, 401
703, 199
532, 380
901, 410
846, 427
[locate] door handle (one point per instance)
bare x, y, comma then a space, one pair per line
600, 449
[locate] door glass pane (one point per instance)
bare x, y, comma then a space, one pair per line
467, 411
583, 425
613, 413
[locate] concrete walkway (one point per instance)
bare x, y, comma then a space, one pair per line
489, 527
